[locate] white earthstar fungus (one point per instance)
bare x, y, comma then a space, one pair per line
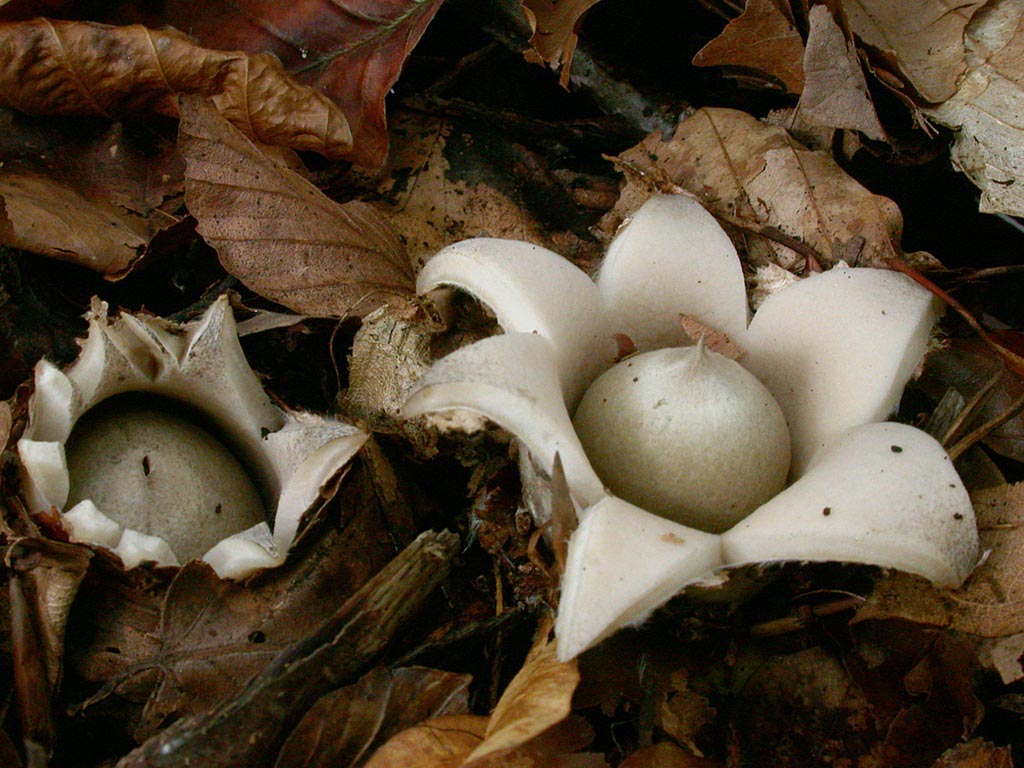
834, 351
160, 444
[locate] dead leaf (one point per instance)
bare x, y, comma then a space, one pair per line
967, 366
44, 577
976, 753
250, 727
835, 93
665, 754
683, 712
762, 38
555, 25
351, 51
713, 339
133, 167
5, 423
987, 110
539, 697
123, 73
754, 176
346, 725
991, 602
443, 742
279, 234
444, 185
804, 709
49, 218
926, 39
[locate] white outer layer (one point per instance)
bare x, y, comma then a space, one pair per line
883, 494
530, 290
836, 350
672, 258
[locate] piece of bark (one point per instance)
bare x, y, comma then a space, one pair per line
250, 728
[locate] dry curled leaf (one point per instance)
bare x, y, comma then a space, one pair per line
351, 51
757, 178
762, 38
539, 697
555, 24
279, 234
130, 73
991, 602
925, 39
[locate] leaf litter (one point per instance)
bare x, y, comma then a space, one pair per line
865, 668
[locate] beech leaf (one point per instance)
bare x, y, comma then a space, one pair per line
346, 725
926, 39
442, 742
762, 38
124, 73
49, 218
278, 233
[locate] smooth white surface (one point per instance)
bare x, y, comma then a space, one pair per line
883, 494
672, 258
623, 563
836, 350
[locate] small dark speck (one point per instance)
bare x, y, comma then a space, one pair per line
957, 516
257, 637
145, 465
636, 379
826, 511
218, 509
896, 449
952, 485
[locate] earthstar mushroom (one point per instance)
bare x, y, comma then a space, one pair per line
160, 444
834, 350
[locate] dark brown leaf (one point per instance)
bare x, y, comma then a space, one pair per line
278, 233
347, 725
214, 635
125, 73
762, 38
352, 51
